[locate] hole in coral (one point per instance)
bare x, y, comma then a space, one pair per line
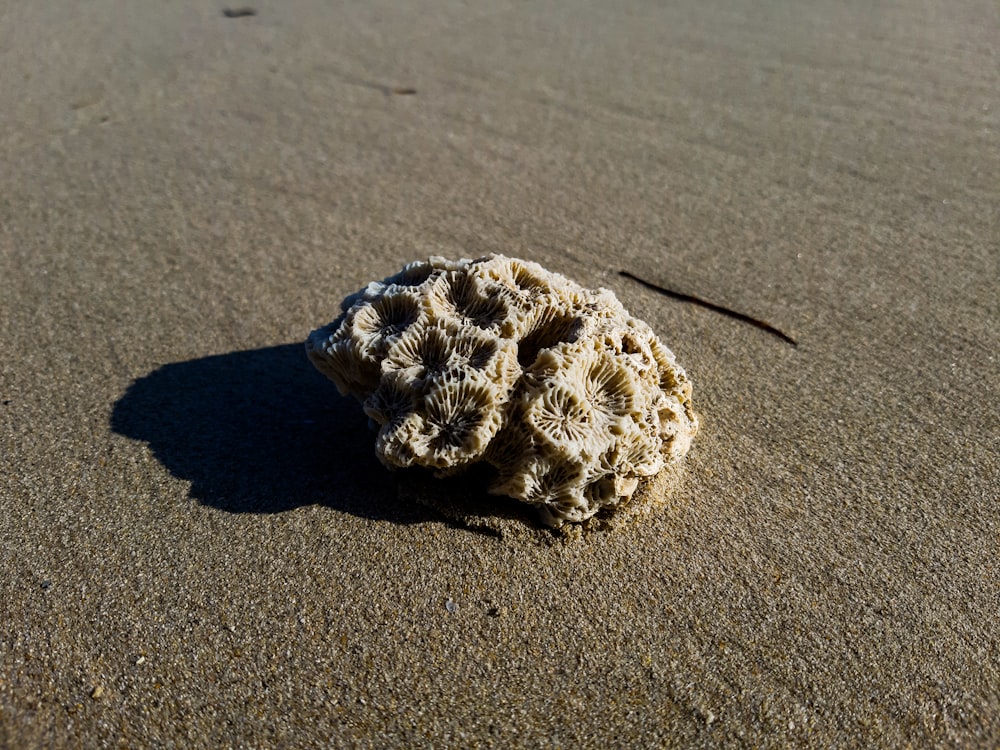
600, 493
631, 345
435, 353
668, 381
528, 281
557, 330
480, 311
413, 276
609, 388
394, 314
508, 448
482, 354
557, 480
457, 414
565, 423
455, 433
389, 404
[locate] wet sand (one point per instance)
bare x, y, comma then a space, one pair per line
199, 547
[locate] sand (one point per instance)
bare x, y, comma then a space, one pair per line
199, 547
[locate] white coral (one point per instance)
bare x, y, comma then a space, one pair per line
565, 394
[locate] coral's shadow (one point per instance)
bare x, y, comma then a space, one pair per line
261, 431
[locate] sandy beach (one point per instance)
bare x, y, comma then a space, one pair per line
198, 546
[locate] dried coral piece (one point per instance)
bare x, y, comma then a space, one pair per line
566, 395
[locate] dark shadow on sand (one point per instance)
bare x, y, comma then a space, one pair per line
262, 432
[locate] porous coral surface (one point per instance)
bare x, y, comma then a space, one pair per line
566, 395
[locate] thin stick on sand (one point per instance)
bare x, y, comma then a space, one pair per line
712, 306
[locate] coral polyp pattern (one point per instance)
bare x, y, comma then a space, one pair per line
566, 395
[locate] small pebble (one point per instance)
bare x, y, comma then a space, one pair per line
97, 692
451, 606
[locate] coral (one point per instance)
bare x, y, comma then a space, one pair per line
566, 395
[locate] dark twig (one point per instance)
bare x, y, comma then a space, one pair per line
712, 306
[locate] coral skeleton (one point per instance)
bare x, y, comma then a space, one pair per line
571, 399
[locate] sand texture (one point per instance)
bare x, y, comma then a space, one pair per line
198, 546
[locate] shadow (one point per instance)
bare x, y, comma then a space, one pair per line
262, 431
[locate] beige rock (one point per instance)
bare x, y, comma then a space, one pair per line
565, 394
